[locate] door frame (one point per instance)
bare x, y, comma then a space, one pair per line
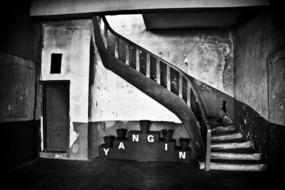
65, 83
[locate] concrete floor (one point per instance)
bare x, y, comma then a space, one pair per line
114, 174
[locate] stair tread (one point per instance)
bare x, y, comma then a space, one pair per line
228, 141
240, 150
232, 145
221, 125
235, 167
235, 156
222, 161
238, 167
223, 130
229, 135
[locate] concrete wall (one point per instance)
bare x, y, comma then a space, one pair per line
72, 40
258, 82
112, 98
208, 52
20, 38
59, 7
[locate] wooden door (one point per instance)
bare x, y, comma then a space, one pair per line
56, 113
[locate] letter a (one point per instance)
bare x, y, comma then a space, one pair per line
121, 146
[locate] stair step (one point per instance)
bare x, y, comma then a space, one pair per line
225, 137
235, 156
234, 145
221, 129
250, 150
235, 167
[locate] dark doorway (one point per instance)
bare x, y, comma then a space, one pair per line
56, 116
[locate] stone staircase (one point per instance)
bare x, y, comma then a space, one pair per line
222, 145
231, 151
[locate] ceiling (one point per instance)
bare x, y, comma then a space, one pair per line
201, 18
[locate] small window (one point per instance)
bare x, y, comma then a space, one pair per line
55, 67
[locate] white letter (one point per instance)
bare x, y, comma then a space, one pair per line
166, 147
150, 138
106, 151
182, 155
121, 146
135, 138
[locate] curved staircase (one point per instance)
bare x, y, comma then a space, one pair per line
216, 146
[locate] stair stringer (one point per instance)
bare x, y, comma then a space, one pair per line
166, 98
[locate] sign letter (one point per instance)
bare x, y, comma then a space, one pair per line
121, 146
150, 138
135, 138
106, 151
165, 146
182, 155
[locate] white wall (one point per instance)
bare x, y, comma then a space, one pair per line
208, 52
72, 39
113, 98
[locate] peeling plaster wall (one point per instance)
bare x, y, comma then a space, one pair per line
255, 41
72, 39
259, 83
208, 53
115, 99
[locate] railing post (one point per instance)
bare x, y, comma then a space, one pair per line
188, 94
127, 54
180, 87
168, 78
158, 70
208, 150
106, 35
116, 47
138, 60
147, 65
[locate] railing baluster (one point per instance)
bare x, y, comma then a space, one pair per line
180, 87
188, 94
106, 35
147, 65
99, 21
138, 60
208, 150
127, 54
168, 78
116, 46
158, 70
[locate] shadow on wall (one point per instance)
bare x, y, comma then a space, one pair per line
97, 130
216, 103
